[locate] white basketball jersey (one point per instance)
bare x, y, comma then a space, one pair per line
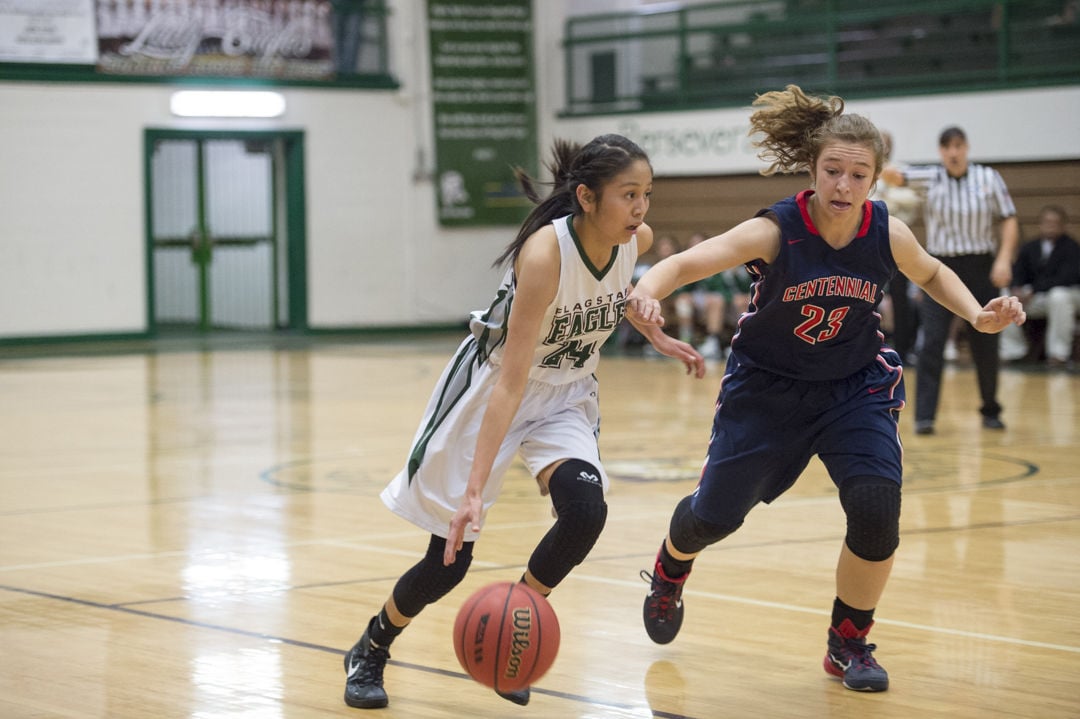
559, 413
587, 308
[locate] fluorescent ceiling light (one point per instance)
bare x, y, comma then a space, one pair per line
198, 103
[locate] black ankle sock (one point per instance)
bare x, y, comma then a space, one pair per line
673, 568
381, 631
861, 618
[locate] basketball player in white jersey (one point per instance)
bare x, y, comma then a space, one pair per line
522, 384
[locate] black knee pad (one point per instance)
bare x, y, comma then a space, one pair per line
429, 580
690, 534
872, 505
578, 497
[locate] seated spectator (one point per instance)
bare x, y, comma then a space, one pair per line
1046, 278
665, 247
738, 282
701, 303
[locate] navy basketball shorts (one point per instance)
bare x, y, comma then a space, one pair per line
767, 427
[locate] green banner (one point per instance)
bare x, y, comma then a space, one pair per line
484, 105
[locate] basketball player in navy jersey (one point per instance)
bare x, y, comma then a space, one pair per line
808, 371
522, 383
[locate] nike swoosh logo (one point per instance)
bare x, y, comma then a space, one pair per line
875, 390
795, 240
354, 666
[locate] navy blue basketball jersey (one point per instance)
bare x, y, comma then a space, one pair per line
813, 310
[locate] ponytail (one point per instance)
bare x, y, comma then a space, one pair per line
788, 120
797, 126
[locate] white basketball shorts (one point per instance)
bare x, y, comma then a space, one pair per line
554, 422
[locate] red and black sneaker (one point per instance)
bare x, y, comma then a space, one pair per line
851, 658
663, 610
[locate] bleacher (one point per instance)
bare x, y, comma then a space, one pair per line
725, 53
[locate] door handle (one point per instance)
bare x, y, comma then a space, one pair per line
201, 246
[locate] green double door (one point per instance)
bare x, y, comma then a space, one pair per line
225, 223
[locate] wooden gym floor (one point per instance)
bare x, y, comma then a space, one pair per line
199, 534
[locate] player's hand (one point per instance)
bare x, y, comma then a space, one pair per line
467, 515
999, 313
682, 351
645, 310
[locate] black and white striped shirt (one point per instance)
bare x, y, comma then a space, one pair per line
960, 211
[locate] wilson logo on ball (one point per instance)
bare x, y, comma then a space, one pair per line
523, 621
506, 635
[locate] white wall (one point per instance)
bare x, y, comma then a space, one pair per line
72, 220
1022, 125
72, 244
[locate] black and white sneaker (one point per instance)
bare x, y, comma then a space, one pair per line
364, 665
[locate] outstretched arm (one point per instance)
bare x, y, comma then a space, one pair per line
943, 285
667, 345
756, 238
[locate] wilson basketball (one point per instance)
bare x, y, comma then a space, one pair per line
506, 636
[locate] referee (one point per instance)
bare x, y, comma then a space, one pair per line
963, 201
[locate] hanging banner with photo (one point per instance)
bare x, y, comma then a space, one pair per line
59, 31
216, 38
484, 108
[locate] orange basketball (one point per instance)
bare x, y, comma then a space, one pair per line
506, 636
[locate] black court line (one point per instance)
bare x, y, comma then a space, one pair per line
129, 608
723, 546
319, 647
1029, 469
719, 547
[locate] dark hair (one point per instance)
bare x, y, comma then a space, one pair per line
592, 165
797, 126
949, 134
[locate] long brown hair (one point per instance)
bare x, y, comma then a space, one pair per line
797, 126
592, 165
